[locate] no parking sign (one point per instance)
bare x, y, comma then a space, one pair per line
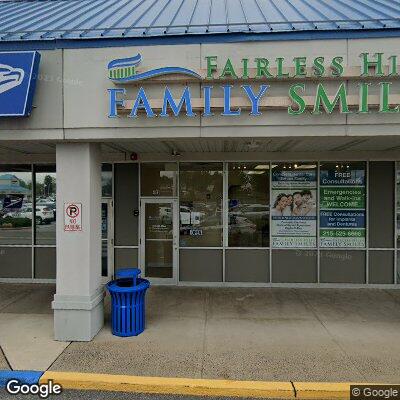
72, 217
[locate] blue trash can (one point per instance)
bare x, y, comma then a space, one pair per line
128, 302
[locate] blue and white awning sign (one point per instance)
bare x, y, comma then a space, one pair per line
18, 75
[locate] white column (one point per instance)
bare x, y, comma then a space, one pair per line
78, 302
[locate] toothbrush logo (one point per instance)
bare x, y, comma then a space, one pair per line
124, 70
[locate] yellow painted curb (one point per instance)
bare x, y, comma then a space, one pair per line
324, 390
195, 387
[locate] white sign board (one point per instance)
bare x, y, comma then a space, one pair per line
72, 217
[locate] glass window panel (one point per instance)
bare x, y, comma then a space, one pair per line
248, 205
194, 268
104, 237
294, 205
45, 207
381, 210
247, 265
106, 180
398, 268
15, 262
342, 266
104, 258
380, 266
104, 220
159, 221
342, 204
398, 203
15, 204
158, 179
159, 259
45, 263
200, 215
294, 266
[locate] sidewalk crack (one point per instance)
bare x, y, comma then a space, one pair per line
294, 389
5, 357
66, 347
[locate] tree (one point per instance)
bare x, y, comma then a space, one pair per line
48, 185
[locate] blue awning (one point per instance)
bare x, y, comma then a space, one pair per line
13, 189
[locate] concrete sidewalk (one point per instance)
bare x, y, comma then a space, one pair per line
244, 334
26, 327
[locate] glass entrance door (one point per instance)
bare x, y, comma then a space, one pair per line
159, 244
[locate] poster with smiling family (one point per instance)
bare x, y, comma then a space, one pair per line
294, 207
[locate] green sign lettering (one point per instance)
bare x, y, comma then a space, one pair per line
262, 68
322, 98
211, 66
299, 66
384, 106
228, 70
297, 99
367, 63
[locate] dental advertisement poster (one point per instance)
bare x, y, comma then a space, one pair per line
293, 208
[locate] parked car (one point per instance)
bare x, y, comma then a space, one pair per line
44, 215
51, 205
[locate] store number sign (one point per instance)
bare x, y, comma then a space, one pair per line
72, 217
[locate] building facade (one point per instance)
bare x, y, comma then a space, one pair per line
216, 157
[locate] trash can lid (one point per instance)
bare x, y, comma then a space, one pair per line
115, 286
128, 273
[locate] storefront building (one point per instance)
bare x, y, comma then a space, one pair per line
246, 144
